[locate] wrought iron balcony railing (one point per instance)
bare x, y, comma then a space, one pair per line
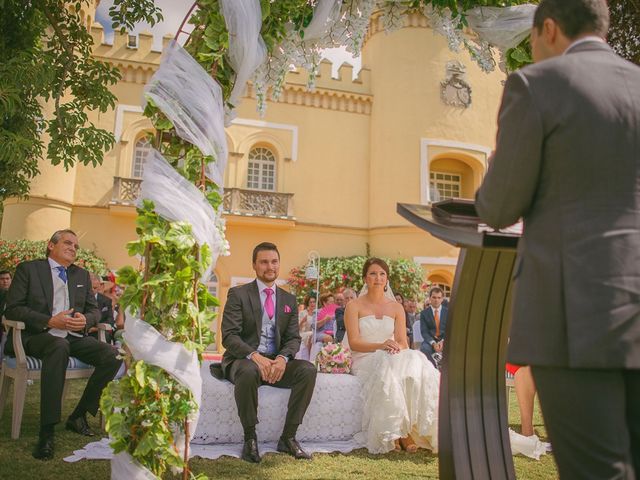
236, 201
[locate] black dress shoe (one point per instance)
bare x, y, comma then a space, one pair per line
44, 448
79, 425
250, 451
292, 447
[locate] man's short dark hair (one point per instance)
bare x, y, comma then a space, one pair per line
264, 246
436, 290
574, 17
5, 272
55, 238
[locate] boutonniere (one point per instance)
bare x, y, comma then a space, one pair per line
287, 309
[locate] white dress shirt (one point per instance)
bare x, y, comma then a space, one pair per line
60, 297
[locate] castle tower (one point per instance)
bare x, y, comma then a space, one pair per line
413, 131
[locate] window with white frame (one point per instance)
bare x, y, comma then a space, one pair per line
140, 152
212, 284
261, 173
445, 288
448, 185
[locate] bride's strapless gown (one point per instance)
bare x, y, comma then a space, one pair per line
400, 391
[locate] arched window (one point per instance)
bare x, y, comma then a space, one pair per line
445, 288
142, 149
212, 284
261, 174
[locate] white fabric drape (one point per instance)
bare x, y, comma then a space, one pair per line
325, 15
177, 199
504, 27
247, 50
193, 102
150, 346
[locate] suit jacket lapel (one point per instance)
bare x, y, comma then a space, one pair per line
280, 318
256, 305
44, 274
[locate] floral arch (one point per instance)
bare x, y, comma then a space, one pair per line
152, 412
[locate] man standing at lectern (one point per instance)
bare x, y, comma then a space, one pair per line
567, 161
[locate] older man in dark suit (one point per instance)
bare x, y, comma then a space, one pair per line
53, 298
261, 336
567, 161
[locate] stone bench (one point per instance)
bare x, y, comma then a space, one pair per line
334, 415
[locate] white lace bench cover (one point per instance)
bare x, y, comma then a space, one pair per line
335, 412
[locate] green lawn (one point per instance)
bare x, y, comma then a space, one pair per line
16, 461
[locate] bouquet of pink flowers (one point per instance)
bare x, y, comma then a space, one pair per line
334, 358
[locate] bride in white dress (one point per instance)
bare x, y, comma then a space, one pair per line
400, 386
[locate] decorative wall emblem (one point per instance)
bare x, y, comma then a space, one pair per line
455, 90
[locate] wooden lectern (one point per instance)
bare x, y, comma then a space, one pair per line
473, 421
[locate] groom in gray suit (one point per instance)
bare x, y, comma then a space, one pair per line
567, 161
261, 335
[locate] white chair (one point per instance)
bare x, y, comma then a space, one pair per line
23, 369
417, 335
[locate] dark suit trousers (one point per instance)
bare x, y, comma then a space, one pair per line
593, 421
54, 353
299, 376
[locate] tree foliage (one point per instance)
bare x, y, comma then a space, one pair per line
49, 82
624, 32
337, 273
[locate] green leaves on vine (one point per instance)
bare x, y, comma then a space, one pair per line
172, 299
144, 410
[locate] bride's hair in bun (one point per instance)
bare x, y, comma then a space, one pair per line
374, 261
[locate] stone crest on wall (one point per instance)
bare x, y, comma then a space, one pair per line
454, 90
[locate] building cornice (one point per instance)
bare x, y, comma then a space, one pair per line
341, 101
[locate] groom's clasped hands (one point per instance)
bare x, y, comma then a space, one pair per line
271, 371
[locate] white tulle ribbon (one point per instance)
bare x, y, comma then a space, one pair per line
150, 346
247, 50
125, 467
325, 14
176, 199
193, 102
503, 27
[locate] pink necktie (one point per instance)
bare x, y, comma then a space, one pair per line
268, 303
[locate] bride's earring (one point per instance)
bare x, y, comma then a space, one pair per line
386, 287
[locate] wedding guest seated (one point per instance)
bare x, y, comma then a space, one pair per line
349, 294
339, 299
5, 280
324, 328
5, 283
326, 316
306, 318
427, 303
105, 307
433, 323
53, 298
412, 315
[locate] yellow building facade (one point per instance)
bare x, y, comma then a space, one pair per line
323, 170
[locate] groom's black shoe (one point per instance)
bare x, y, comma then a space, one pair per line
292, 447
250, 451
